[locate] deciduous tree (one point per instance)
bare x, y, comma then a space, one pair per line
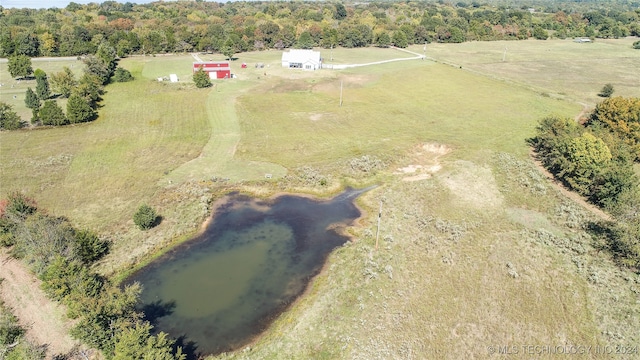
63, 82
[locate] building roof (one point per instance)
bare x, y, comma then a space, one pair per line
301, 56
222, 65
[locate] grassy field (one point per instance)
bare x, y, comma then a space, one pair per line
559, 68
477, 251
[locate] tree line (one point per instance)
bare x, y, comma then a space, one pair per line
596, 159
233, 27
83, 94
61, 256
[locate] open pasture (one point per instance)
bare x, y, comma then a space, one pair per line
559, 68
98, 173
482, 252
386, 110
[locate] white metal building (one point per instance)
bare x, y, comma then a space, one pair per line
301, 59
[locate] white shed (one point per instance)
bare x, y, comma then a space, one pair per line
301, 59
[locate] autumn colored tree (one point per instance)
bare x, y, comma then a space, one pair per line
63, 82
621, 116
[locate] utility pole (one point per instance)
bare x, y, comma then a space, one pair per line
378, 231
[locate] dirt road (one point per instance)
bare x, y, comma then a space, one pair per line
44, 320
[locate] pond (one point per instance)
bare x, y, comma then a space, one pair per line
223, 288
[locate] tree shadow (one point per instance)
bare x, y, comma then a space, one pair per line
157, 309
189, 348
157, 221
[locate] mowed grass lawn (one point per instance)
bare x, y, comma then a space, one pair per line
13, 91
98, 173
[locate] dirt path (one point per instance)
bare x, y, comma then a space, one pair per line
44, 320
585, 109
568, 193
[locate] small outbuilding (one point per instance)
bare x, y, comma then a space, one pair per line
215, 69
301, 59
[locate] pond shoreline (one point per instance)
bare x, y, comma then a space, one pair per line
211, 310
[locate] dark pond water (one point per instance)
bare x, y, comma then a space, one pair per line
223, 288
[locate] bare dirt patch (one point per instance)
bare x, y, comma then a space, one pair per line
473, 185
424, 161
43, 319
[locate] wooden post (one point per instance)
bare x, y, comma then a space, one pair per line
340, 93
378, 231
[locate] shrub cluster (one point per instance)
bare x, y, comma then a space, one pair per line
597, 161
13, 344
145, 218
61, 255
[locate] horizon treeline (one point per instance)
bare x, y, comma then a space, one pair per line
184, 26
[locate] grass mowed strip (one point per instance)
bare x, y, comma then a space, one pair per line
98, 173
217, 159
561, 68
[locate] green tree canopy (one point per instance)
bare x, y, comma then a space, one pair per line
79, 110
90, 87
383, 40
32, 102
51, 114
588, 155
540, 34
305, 41
20, 66
607, 91
137, 343
122, 75
400, 39
201, 79
145, 218
63, 82
42, 85
9, 119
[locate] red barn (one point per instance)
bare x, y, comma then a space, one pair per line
215, 69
